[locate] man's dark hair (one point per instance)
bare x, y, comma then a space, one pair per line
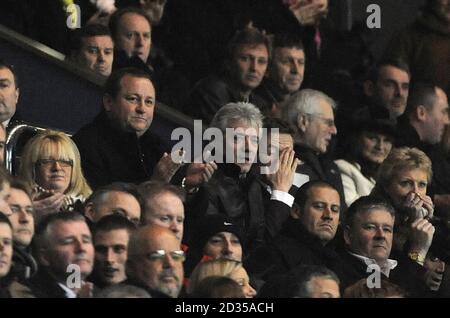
282, 125
365, 204
421, 93
303, 192
5, 177
114, 222
112, 85
4, 219
296, 283
48, 220
88, 31
395, 62
19, 184
150, 189
99, 195
115, 19
287, 40
247, 36
4, 64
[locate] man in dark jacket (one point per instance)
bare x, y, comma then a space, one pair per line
368, 234
311, 112
235, 190
305, 236
118, 145
247, 63
422, 126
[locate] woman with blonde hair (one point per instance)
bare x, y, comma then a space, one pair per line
50, 164
221, 267
403, 180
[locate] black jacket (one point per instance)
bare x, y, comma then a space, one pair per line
210, 94
109, 154
293, 246
319, 167
407, 274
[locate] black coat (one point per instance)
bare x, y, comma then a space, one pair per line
109, 155
407, 274
43, 285
210, 94
320, 168
293, 246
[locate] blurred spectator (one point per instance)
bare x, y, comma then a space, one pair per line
51, 166
122, 291
116, 198
305, 281
386, 290
92, 48
9, 95
367, 145
285, 73
425, 45
111, 237
221, 267
155, 261
218, 287
248, 57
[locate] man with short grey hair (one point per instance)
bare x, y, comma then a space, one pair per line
311, 112
235, 190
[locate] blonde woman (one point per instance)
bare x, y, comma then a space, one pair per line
221, 267
50, 164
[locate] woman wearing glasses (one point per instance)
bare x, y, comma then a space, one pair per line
50, 163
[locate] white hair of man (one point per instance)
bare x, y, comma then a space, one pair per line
237, 112
305, 101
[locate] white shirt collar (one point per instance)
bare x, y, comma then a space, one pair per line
385, 268
69, 292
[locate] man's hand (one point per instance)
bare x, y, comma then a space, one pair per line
308, 12
166, 168
283, 178
198, 174
86, 290
421, 236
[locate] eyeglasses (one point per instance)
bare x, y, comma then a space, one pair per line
159, 255
48, 163
329, 122
15, 208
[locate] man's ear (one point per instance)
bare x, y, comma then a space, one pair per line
347, 234
17, 94
295, 211
369, 88
421, 113
302, 122
43, 257
107, 102
89, 211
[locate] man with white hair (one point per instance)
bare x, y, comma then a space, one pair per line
311, 112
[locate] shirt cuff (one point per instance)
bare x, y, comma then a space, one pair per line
284, 197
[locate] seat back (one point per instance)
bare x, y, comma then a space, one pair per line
16, 141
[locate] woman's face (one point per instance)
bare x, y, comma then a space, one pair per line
53, 172
241, 277
375, 147
406, 181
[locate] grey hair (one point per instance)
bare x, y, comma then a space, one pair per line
304, 101
235, 112
123, 291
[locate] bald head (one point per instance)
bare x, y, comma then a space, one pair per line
156, 260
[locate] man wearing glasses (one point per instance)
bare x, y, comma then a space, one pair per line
311, 112
155, 261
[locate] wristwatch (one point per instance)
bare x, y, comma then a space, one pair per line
416, 257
